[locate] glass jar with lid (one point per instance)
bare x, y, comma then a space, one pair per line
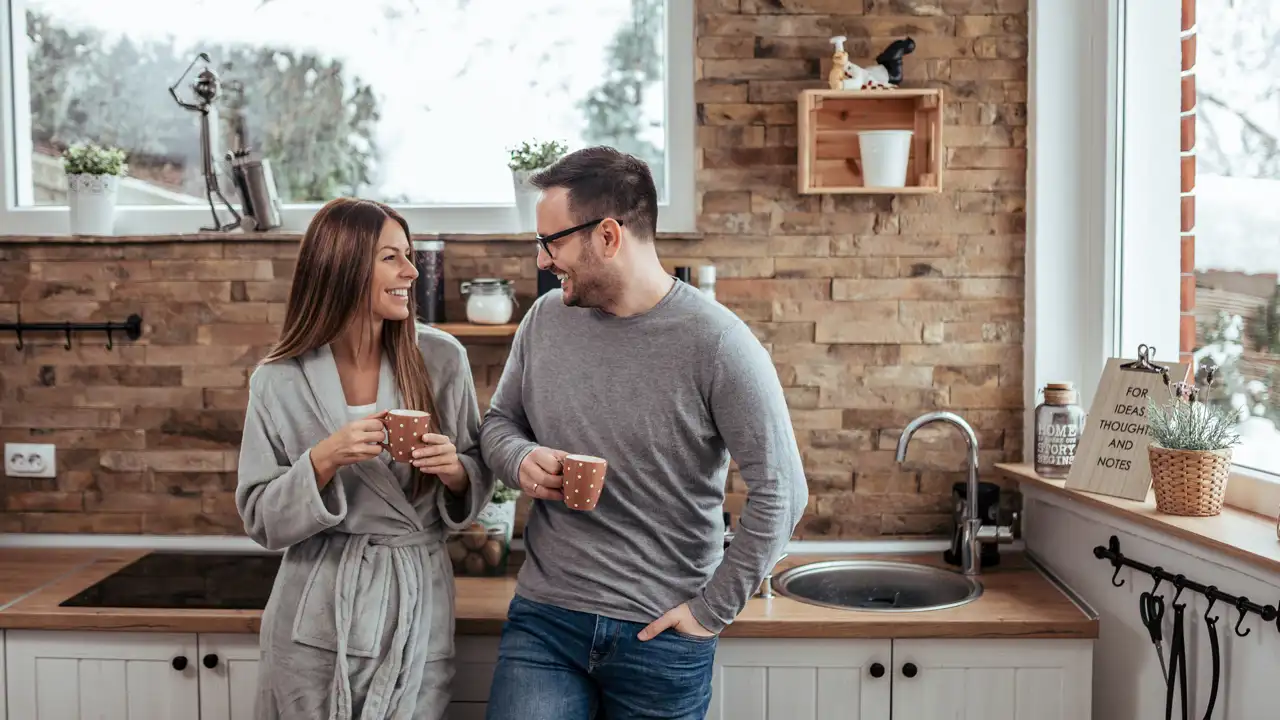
490, 301
1059, 424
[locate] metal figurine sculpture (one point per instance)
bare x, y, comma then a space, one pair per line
205, 88
886, 73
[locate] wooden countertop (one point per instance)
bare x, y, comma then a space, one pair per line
1017, 602
1245, 536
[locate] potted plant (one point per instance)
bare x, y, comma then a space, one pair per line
528, 158
1191, 452
93, 181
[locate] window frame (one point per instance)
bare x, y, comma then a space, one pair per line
678, 214
1103, 201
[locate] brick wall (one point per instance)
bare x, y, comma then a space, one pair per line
1187, 319
876, 308
147, 432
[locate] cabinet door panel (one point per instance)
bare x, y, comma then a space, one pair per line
57, 675
780, 679
229, 689
992, 679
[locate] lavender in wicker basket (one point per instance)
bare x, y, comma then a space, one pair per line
1191, 451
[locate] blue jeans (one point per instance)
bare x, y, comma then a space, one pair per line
557, 664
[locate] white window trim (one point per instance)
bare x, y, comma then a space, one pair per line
1104, 105
677, 215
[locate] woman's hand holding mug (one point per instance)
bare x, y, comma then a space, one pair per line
352, 443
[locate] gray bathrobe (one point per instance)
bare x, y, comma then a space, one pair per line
360, 619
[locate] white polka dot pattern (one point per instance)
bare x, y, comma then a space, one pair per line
583, 481
405, 429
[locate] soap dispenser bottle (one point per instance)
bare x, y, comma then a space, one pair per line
840, 58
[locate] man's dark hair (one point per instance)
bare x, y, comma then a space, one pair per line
604, 182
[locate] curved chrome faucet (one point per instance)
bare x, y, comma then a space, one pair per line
970, 541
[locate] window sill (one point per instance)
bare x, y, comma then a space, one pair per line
1245, 536
273, 236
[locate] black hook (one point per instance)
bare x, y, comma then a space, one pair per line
1155, 575
108, 336
68, 345
1212, 589
1240, 606
1178, 582
1115, 574
19, 332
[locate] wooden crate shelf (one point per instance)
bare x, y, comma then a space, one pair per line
829, 122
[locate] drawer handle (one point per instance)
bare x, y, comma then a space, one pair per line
211, 661
179, 663
877, 670
909, 670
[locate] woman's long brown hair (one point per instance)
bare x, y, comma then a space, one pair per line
331, 290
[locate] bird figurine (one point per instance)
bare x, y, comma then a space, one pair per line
885, 74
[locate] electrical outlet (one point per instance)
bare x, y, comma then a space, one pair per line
29, 460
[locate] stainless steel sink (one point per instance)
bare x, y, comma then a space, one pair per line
877, 585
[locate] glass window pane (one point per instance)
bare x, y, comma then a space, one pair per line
406, 101
1238, 215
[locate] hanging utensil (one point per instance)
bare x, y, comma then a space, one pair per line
1177, 664
1151, 608
1212, 624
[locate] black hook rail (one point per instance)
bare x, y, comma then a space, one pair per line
1112, 554
131, 327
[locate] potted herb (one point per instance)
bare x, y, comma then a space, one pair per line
1190, 452
93, 182
528, 158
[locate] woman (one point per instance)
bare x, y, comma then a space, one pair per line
360, 619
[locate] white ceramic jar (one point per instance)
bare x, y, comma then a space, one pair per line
490, 301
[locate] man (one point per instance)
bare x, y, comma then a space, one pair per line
619, 608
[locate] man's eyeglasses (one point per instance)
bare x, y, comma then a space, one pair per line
544, 241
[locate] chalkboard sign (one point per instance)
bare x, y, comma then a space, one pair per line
1111, 458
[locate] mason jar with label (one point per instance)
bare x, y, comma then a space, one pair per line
1059, 423
490, 301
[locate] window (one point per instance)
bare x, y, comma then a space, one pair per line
1237, 217
412, 102
1108, 219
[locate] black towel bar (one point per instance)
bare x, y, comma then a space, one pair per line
1112, 554
132, 328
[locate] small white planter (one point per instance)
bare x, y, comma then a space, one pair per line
92, 199
499, 514
884, 157
526, 199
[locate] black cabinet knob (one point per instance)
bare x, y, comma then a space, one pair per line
909, 670
210, 661
877, 670
179, 663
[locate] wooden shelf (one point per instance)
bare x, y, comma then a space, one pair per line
470, 330
829, 122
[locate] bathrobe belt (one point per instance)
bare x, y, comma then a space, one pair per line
414, 594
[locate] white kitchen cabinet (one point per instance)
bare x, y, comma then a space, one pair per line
69, 675
992, 679
56, 675
228, 676
779, 679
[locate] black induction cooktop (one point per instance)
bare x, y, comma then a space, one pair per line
186, 579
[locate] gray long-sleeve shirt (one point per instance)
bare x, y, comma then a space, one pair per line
665, 397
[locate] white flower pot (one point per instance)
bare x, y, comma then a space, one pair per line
526, 200
884, 157
92, 199
499, 514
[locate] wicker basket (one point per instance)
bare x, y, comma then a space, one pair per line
1189, 482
